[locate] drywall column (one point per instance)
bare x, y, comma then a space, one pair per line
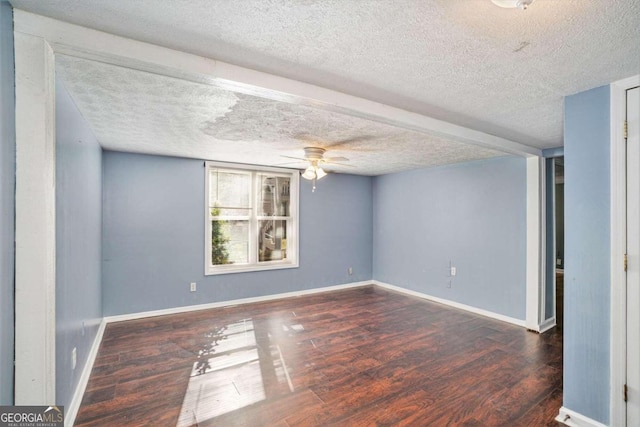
35, 222
534, 242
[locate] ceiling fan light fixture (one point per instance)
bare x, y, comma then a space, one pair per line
309, 173
520, 4
320, 173
315, 157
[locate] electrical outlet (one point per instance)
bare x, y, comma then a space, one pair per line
350, 271
193, 286
453, 271
74, 358
449, 284
83, 331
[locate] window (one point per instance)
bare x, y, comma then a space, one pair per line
251, 218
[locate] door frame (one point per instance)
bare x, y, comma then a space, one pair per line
535, 243
550, 232
550, 321
618, 332
633, 279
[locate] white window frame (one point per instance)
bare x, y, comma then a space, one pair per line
292, 228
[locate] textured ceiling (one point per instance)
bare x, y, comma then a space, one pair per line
501, 71
147, 113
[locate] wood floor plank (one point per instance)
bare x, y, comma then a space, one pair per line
363, 356
513, 402
392, 412
265, 413
342, 398
543, 413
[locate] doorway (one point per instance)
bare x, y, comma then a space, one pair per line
559, 240
554, 244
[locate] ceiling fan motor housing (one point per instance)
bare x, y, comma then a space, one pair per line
314, 153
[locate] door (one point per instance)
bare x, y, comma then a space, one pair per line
633, 256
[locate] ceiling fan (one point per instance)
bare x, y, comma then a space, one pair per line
315, 157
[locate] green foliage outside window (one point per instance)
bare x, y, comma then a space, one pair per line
219, 252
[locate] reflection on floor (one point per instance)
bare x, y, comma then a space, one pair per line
227, 372
363, 356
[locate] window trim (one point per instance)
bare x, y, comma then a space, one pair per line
292, 260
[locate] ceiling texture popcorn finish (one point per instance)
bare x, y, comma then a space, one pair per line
500, 71
147, 113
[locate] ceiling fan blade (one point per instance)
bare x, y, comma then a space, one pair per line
335, 159
340, 164
289, 163
342, 144
296, 158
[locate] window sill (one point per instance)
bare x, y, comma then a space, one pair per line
228, 269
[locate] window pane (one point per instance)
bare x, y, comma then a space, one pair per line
229, 189
274, 195
229, 242
230, 212
272, 240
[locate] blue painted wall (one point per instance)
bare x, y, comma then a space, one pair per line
471, 214
78, 242
7, 201
153, 232
587, 253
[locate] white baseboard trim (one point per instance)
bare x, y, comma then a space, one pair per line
185, 309
547, 324
188, 308
454, 304
71, 411
574, 419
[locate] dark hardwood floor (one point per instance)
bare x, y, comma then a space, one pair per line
359, 357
